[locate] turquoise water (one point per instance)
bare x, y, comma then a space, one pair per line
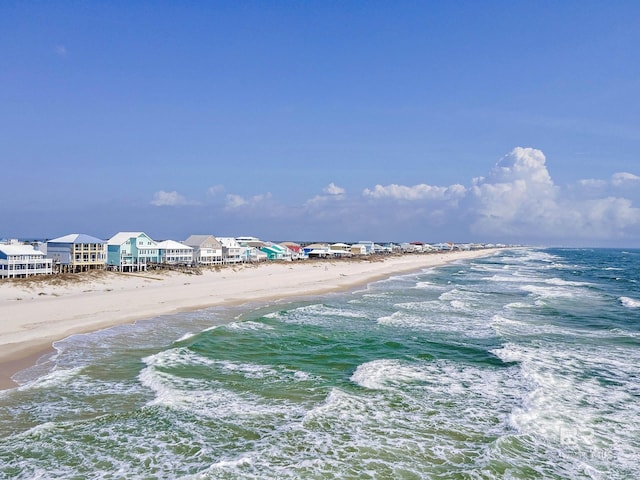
525, 364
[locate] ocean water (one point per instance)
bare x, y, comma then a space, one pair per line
524, 364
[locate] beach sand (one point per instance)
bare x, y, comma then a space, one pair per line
35, 314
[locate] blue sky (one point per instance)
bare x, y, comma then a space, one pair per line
399, 121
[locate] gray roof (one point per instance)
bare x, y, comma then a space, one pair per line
77, 238
199, 240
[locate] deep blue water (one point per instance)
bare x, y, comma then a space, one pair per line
524, 364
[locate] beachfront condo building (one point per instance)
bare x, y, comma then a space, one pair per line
175, 253
207, 250
131, 251
18, 261
77, 252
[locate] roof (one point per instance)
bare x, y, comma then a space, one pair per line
294, 247
199, 240
172, 244
76, 238
316, 245
121, 237
20, 250
318, 251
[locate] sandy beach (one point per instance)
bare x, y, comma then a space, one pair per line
36, 314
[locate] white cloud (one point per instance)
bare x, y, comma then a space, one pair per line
518, 188
517, 201
332, 193
592, 183
237, 201
215, 190
620, 179
416, 192
173, 198
624, 178
519, 198
333, 189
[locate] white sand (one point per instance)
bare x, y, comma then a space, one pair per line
31, 318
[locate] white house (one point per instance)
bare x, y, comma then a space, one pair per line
369, 245
23, 261
254, 255
207, 250
175, 253
232, 251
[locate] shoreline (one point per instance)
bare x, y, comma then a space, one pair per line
41, 312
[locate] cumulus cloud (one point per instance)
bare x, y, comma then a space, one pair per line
517, 190
238, 201
518, 200
215, 190
333, 189
415, 192
624, 178
332, 192
620, 179
173, 198
592, 183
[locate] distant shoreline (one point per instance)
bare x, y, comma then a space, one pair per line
39, 313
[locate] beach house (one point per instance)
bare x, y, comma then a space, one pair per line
175, 253
359, 249
369, 246
296, 250
131, 251
276, 252
77, 252
17, 261
207, 250
232, 251
340, 249
317, 250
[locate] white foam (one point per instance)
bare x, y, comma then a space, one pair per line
378, 374
249, 326
513, 279
550, 292
186, 336
629, 302
428, 286
575, 412
561, 282
207, 398
56, 378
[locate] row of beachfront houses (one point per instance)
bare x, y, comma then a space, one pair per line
137, 251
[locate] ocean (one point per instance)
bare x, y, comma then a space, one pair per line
523, 364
